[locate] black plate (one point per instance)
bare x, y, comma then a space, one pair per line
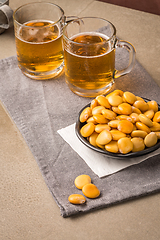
79, 125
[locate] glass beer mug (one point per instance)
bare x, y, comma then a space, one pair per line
38, 32
89, 54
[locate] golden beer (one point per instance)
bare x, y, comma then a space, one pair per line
39, 48
90, 62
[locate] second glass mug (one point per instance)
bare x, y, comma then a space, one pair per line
89, 55
38, 30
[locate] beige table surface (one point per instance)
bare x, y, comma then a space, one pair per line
27, 209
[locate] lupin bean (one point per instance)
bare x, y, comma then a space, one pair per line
125, 108
129, 97
114, 123
125, 145
116, 134
115, 100
104, 137
102, 100
112, 147
139, 133
92, 139
99, 118
149, 113
125, 126
141, 105
155, 127
86, 113
158, 135
100, 127
143, 127
138, 144
153, 105
97, 110
144, 119
90, 190
76, 199
82, 180
94, 103
151, 139
135, 117
108, 114
156, 117
87, 129
116, 110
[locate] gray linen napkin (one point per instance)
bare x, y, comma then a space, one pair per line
40, 108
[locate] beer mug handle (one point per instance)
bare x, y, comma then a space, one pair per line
6, 11
69, 19
132, 56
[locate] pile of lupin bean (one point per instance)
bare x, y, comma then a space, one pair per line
83, 182
121, 122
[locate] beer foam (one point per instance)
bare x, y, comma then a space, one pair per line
91, 34
38, 33
101, 35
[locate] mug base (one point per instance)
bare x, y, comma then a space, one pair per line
42, 75
90, 93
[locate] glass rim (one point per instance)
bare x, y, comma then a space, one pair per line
32, 3
81, 18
